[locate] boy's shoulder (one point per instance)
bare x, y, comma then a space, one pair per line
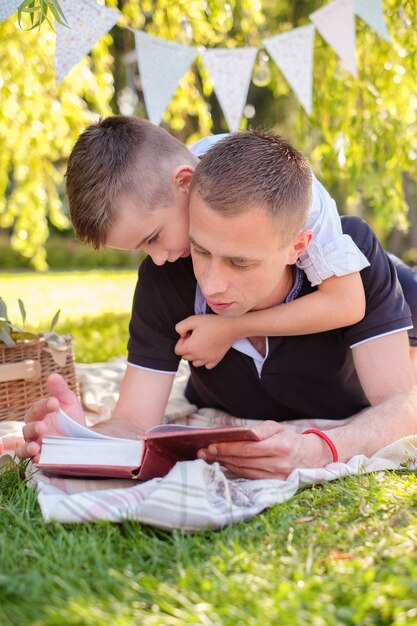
200, 147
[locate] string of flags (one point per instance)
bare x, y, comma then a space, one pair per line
163, 63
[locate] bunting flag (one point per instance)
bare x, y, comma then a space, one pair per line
293, 54
370, 11
162, 64
88, 23
336, 24
7, 8
230, 70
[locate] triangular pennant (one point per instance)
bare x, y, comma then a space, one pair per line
88, 23
371, 12
162, 64
336, 24
7, 8
293, 54
230, 70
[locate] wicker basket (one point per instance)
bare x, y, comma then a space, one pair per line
24, 370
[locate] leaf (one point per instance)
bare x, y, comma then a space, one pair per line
55, 341
58, 13
22, 311
54, 320
58, 356
363, 507
39, 9
27, 6
5, 336
335, 555
23, 336
3, 309
304, 520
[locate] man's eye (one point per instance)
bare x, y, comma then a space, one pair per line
200, 252
239, 266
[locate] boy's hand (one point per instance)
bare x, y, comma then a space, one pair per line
40, 418
204, 339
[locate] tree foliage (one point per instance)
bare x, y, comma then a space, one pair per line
38, 125
361, 138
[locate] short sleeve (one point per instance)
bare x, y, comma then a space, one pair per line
331, 252
200, 147
386, 309
162, 298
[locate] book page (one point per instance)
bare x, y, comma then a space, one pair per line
70, 428
172, 428
80, 451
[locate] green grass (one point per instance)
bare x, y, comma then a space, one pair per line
342, 553
95, 307
78, 294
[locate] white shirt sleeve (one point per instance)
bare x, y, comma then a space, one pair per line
200, 147
330, 252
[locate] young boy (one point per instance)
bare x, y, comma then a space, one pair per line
127, 186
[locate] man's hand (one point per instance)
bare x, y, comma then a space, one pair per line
40, 418
204, 339
278, 453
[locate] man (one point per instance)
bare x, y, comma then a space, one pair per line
245, 238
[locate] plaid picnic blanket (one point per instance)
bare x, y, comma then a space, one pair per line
194, 495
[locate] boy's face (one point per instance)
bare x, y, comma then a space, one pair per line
162, 233
239, 261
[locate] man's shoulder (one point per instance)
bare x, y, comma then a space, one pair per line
169, 275
361, 233
178, 267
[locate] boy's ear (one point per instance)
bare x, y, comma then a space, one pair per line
181, 177
299, 245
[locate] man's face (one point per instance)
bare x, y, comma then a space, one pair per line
162, 233
239, 261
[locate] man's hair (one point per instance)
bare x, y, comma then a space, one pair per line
119, 156
257, 168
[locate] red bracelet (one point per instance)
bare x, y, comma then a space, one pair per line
322, 435
1, 447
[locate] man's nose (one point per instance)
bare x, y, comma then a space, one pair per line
214, 282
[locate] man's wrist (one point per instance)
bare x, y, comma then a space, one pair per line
319, 452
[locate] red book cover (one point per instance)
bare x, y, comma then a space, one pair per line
84, 452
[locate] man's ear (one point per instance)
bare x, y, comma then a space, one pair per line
299, 245
181, 177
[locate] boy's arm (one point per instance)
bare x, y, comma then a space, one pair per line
338, 302
142, 402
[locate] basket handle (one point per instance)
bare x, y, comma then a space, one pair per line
26, 370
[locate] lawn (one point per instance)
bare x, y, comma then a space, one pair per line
339, 553
94, 306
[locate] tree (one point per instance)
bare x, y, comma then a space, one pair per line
38, 126
361, 138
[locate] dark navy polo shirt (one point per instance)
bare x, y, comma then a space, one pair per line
306, 376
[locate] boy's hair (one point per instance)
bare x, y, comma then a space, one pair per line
257, 168
119, 156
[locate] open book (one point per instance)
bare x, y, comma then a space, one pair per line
84, 452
